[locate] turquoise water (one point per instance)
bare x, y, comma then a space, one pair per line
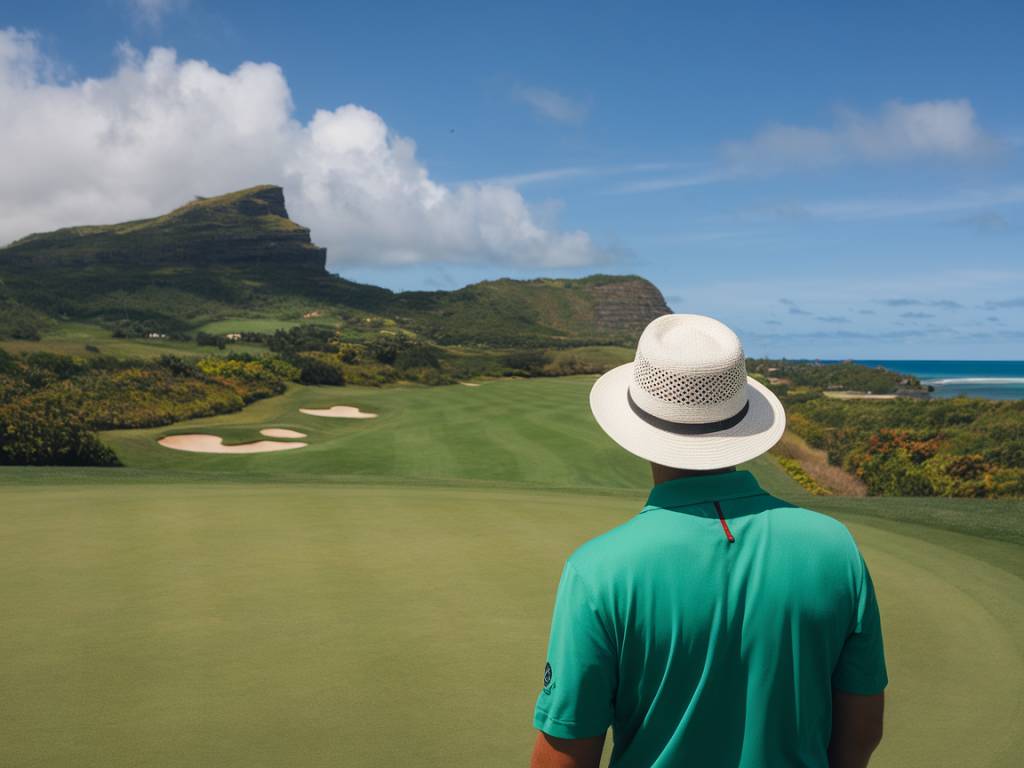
992, 379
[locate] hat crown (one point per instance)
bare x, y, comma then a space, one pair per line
689, 369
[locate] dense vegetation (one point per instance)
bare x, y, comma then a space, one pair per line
906, 446
50, 404
846, 375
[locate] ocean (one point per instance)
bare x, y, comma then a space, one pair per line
992, 379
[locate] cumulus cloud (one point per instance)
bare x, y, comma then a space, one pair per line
160, 130
944, 128
552, 105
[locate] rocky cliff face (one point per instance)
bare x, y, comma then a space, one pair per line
627, 305
240, 228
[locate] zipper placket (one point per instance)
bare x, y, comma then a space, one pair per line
725, 525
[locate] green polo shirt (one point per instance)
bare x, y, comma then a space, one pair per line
702, 651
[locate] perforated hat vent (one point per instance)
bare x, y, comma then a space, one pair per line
688, 390
690, 372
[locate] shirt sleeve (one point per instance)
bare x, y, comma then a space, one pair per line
577, 697
861, 667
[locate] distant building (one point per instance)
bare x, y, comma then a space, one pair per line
233, 336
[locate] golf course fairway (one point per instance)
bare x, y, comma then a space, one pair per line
382, 596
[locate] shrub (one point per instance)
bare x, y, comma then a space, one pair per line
797, 472
34, 436
320, 369
416, 356
528, 362
211, 340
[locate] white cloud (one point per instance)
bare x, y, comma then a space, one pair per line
539, 177
944, 128
572, 172
159, 130
674, 182
854, 210
553, 105
153, 11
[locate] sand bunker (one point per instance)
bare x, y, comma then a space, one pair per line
469, 384
339, 412
215, 444
275, 432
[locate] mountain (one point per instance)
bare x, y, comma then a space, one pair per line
249, 227
240, 254
504, 311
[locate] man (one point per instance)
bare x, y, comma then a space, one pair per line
720, 626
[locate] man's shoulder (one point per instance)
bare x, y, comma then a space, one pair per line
610, 544
806, 514
633, 539
809, 523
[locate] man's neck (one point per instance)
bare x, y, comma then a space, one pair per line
664, 474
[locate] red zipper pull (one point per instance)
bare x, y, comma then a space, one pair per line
725, 525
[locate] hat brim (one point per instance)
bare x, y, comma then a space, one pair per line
759, 430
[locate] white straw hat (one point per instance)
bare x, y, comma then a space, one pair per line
686, 401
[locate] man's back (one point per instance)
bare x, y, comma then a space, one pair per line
710, 630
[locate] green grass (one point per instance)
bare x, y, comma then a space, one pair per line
286, 624
383, 596
71, 338
534, 432
250, 324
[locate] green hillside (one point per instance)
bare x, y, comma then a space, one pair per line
239, 256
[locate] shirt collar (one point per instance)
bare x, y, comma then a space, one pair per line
684, 491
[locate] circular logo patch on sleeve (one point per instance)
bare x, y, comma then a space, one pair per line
547, 674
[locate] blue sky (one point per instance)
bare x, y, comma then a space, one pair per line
832, 182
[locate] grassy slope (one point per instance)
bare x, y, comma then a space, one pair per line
397, 577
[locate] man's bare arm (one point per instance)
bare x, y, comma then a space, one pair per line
549, 752
856, 729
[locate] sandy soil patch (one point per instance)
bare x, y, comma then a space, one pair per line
215, 444
339, 412
276, 432
814, 462
469, 384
